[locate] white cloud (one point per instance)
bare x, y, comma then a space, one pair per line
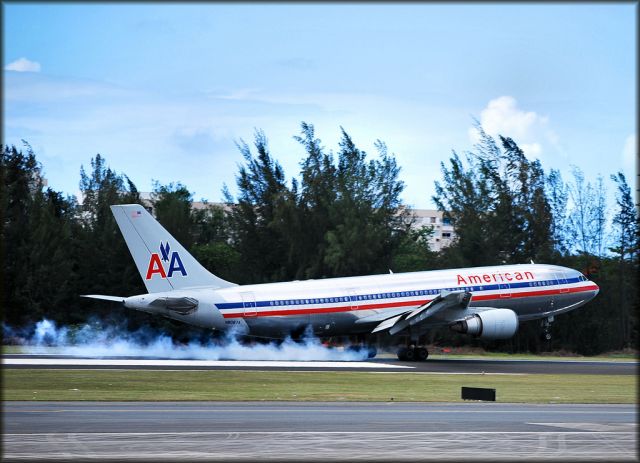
630, 153
532, 149
530, 130
23, 65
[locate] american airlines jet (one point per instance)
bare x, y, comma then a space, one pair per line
486, 302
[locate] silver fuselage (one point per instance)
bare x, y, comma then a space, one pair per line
341, 306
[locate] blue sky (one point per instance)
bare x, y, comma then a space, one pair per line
163, 90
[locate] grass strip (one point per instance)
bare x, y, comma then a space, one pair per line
223, 385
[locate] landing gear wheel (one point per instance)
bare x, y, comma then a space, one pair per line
402, 354
421, 353
546, 327
410, 355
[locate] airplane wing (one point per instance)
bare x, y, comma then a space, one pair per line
446, 300
380, 316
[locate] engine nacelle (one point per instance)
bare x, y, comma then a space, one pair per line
489, 324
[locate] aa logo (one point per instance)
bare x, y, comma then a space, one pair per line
168, 259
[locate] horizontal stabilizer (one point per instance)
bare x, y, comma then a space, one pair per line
183, 305
105, 298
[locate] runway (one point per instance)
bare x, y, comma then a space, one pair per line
450, 366
317, 431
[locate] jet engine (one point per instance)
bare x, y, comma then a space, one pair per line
489, 324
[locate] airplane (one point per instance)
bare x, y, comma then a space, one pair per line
485, 302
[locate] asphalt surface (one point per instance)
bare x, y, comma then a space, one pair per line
383, 364
226, 431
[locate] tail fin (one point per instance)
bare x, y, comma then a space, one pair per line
163, 263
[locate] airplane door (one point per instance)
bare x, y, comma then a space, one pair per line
505, 290
562, 283
249, 304
353, 298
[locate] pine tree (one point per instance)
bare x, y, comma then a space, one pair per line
557, 194
255, 219
626, 229
172, 208
104, 263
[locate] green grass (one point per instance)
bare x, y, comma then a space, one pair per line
12, 349
130, 385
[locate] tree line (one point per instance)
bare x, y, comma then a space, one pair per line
342, 215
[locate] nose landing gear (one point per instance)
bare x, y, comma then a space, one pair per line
546, 327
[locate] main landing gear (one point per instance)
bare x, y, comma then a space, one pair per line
413, 353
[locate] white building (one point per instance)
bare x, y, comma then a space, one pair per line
443, 232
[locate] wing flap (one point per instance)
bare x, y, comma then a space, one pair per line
445, 300
386, 324
381, 316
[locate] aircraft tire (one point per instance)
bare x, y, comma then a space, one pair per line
421, 354
402, 354
410, 355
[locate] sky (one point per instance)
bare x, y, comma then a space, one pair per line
165, 91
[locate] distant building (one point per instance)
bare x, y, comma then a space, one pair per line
148, 205
443, 232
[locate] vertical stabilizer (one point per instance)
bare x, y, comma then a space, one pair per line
163, 263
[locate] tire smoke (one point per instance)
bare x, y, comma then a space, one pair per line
97, 340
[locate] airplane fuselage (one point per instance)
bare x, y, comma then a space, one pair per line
342, 306
486, 302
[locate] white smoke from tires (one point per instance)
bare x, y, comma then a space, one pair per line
96, 340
